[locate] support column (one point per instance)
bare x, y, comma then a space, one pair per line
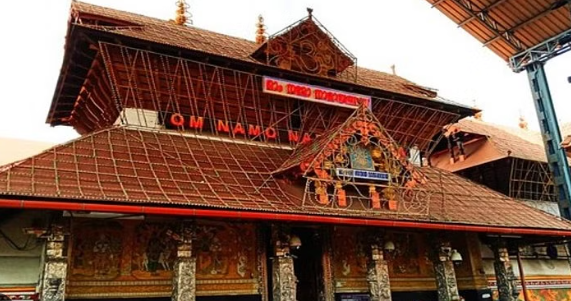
378, 276
184, 281
551, 135
327, 247
283, 277
505, 277
55, 267
445, 275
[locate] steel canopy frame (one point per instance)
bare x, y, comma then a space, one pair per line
517, 30
494, 26
542, 52
556, 156
533, 60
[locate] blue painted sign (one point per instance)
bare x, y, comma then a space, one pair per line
363, 174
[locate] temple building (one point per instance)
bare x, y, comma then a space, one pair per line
566, 136
512, 161
212, 167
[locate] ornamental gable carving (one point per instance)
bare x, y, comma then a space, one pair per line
306, 46
358, 167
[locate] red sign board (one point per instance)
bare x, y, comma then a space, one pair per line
313, 93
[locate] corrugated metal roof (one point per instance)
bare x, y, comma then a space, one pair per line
507, 27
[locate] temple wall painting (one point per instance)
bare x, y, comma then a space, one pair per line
546, 279
410, 266
546, 294
135, 258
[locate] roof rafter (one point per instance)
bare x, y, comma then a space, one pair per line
521, 24
490, 23
437, 3
485, 9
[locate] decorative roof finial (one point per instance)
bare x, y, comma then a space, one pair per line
394, 68
522, 122
260, 31
310, 12
183, 17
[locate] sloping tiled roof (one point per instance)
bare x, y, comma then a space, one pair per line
507, 143
124, 165
566, 136
464, 201
566, 143
130, 166
193, 38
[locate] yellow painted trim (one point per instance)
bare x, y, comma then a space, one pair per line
18, 289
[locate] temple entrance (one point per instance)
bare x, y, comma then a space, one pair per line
308, 265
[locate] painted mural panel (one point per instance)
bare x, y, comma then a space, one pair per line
547, 294
97, 251
409, 265
405, 260
350, 257
127, 258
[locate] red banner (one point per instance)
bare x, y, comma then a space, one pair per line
314, 93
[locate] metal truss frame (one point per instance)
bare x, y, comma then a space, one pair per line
482, 15
542, 52
556, 156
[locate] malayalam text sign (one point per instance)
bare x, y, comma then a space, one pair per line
313, 93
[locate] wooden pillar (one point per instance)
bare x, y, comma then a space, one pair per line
444, 271
505, 277
55, 267
184, 272
378, 276
327, 247
283, 276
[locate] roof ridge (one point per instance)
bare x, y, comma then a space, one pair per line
159, 20
499, 127
238, 48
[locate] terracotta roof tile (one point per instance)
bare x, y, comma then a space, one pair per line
463, 201
566, 143
193, 38
141, 166
508, 143
126, 165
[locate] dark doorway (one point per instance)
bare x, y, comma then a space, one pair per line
308, 265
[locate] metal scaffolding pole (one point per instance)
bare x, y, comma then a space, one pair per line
551, 134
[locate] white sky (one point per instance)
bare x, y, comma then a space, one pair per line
425, 46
